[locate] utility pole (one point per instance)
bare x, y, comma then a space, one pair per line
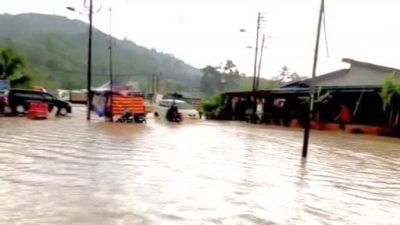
111, 72
256, 52
312, 87
89, 64
158, 83
259, 62
153, 88
252, 117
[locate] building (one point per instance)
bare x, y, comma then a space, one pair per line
357, 87
360, 74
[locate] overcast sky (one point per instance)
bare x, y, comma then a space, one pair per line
206, 32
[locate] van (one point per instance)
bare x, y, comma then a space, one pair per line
16, 101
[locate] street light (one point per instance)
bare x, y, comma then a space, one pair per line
89, 60
71, 8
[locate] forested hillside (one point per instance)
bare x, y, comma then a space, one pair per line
55, 51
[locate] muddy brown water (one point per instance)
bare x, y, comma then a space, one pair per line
68, 171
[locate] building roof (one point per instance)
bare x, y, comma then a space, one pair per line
302, 90
323, 77
359, 74
370, 65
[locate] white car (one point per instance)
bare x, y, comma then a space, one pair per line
187, 111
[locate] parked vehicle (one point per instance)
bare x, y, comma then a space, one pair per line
3, 100
185, 109
73, 96
16, 101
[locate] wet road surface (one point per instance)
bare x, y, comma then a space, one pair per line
68, 171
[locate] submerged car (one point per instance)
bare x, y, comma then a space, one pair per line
186, 110
16, 101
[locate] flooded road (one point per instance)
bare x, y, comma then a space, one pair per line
68, 171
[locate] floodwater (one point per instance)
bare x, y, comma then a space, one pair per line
68, 171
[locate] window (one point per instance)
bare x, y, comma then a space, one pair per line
29, 95
180, 105
183, 105
165, 104
47, 96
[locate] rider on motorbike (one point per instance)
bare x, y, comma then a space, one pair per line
172, 113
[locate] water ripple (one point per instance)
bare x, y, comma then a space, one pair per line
68, 171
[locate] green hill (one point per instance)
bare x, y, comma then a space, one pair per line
55, 49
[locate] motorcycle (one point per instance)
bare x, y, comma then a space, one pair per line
173, 115
126, 118
140, 118
129, 117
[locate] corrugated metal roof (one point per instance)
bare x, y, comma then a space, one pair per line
347, 76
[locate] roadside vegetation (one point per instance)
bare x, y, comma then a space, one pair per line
390, 95
13, 68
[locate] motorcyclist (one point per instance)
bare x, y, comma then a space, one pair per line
172, 113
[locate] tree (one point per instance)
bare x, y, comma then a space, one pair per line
212, 106
245, 84
211, 80
221, 78
285, 76
390, 94
229, 66
12, 68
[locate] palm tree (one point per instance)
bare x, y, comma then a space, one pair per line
11, 68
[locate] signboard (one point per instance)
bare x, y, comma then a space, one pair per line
279, 102
4, 84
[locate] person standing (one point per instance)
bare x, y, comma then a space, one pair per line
260, 110
344, 116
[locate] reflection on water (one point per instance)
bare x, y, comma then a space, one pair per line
68, 171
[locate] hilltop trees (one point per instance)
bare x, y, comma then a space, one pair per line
228, 78
285, 76
219, 79
55, 49
211, 80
